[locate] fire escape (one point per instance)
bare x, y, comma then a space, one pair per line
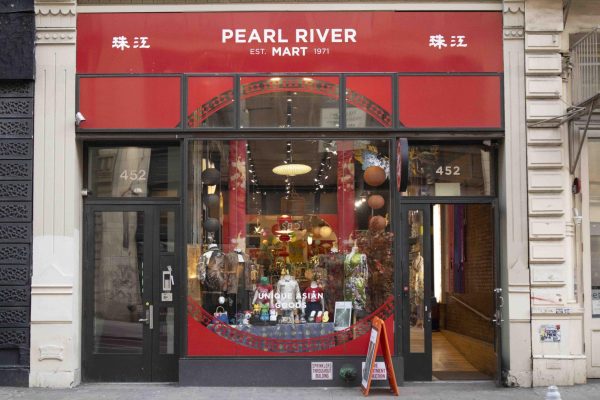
582, 67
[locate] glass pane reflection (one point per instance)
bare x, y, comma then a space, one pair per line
289, 102
118, 282
416, 281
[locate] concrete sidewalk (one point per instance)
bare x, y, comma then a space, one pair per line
417, 391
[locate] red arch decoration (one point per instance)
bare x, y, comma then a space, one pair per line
287, 84
288, 345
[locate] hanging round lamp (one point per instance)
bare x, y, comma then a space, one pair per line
292, 169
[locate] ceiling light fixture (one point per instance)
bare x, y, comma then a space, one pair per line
291, 169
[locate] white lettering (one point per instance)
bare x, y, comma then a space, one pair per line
280, 38
336, 36
322, 35
350, 35
226, 34
269, 35
289, 51
240, 36
301, 35
254, 36
312, 35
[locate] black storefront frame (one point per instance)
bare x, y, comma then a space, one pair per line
245, 362
183, 135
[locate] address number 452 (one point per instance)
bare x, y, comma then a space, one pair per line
133, 175
448, 170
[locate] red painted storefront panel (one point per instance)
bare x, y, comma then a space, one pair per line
315, 41
130, 102
450, 101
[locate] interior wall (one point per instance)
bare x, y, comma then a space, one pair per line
478, 264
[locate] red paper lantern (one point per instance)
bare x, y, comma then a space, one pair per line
374, 175
377, 223
376, 201
284, 238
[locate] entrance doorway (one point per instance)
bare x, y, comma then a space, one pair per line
131, 319
449, 284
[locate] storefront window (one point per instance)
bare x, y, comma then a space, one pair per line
289, 102
289, 249
369, 101
450, 170
210, 102
148, 171
594, 187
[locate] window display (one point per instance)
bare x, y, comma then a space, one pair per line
282, 234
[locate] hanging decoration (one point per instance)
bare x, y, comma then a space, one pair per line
374, 175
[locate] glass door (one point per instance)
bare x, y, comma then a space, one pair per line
416, 267
130, 300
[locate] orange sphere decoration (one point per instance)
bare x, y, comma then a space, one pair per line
375, 201
377, 223
374, 176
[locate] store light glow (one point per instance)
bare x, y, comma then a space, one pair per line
291, 169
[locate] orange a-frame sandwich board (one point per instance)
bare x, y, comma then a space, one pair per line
378, 335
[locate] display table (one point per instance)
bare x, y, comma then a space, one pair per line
280, 337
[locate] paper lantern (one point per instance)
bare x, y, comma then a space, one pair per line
211, 200
284, 237
211, 224
211, 176
283, 219
376, 201
377, 223
325, 231
374, 176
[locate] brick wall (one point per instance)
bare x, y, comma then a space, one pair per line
479, 277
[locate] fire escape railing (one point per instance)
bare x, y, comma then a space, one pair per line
585, 64
584, 60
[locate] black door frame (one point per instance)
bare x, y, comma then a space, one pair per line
418, 366
150, 365
405, 203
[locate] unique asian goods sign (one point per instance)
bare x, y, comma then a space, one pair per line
290, 42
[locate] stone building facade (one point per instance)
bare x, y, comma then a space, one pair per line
543, 269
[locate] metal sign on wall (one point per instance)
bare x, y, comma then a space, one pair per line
290, 42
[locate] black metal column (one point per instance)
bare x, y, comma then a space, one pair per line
16, 187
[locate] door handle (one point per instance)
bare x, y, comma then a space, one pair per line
149, 320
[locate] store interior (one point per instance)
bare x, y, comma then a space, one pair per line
288, 235
462, 302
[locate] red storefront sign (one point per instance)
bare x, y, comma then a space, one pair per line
449, 65
289, 42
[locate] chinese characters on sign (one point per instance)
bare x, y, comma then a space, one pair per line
439, 41
122, 42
